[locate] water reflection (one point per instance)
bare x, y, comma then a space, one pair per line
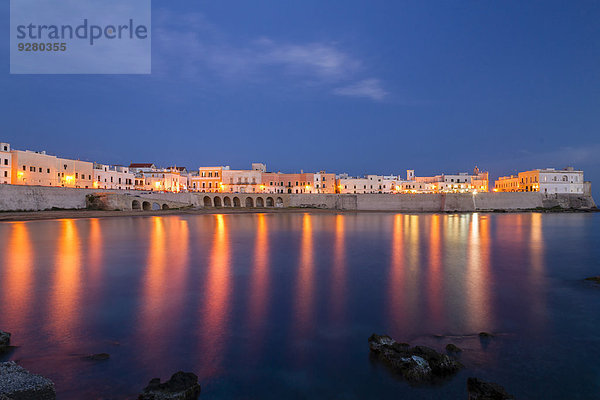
338, 273
434, 289
478, 311
216, 302
64, 304
235, 297
304, 299
259, 285
17, 284
396, 288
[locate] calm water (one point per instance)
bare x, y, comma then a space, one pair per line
276, 306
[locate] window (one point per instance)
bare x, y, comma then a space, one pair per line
5, 148
31, 169
76, 175
6, 161
216, 174
48, 171
6, 174
65, 166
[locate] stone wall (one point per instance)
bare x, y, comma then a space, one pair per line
32, 198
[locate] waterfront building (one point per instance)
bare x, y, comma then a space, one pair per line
368, 184
547, 180
5, 164
207, 179
41, 169
241, 181
278, 182
507, 184
462, 182
113, 177
324, 182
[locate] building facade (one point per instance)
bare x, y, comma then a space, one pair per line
41, 169
5, 164
113, 177
207, 179
547, 180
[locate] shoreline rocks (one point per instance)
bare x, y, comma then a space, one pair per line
416, 364
18, 383
4, 341
482, 390
181, 386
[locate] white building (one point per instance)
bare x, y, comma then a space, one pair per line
113, 177
368, 184
41, 169
551, 181
5, 164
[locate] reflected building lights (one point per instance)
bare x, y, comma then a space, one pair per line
217, 300
338, 278
65, 302
259, 285
18, 272
304, 301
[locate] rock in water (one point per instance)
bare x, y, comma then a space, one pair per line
97, 357
594, 279
18, 383
4, 341
415, 364
181, 386
482, 390
452, 348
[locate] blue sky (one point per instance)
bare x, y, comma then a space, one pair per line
353, 86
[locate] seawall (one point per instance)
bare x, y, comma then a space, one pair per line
36, 198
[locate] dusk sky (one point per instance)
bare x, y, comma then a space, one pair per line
354, 86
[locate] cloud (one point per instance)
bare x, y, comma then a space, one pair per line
369, 88
197, 50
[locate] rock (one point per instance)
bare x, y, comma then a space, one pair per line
415, 364
181, 386
18, 383
482, 390
485, 335
594, 279
4, 341
97, 357
452, 348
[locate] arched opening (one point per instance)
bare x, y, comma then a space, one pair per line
155, 206
290, 191
165, 207
237, 202
227, 202
279, 202
217, 200
260, 202
270, 202
207, 202
135, 205
249, 202
146, 206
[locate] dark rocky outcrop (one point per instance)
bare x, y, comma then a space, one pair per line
485, 335
416, 364
19, 384
4, 341
181, 386
97, 357
452, 348
482, 390
594, 279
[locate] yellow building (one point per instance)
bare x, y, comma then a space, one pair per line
507, 184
